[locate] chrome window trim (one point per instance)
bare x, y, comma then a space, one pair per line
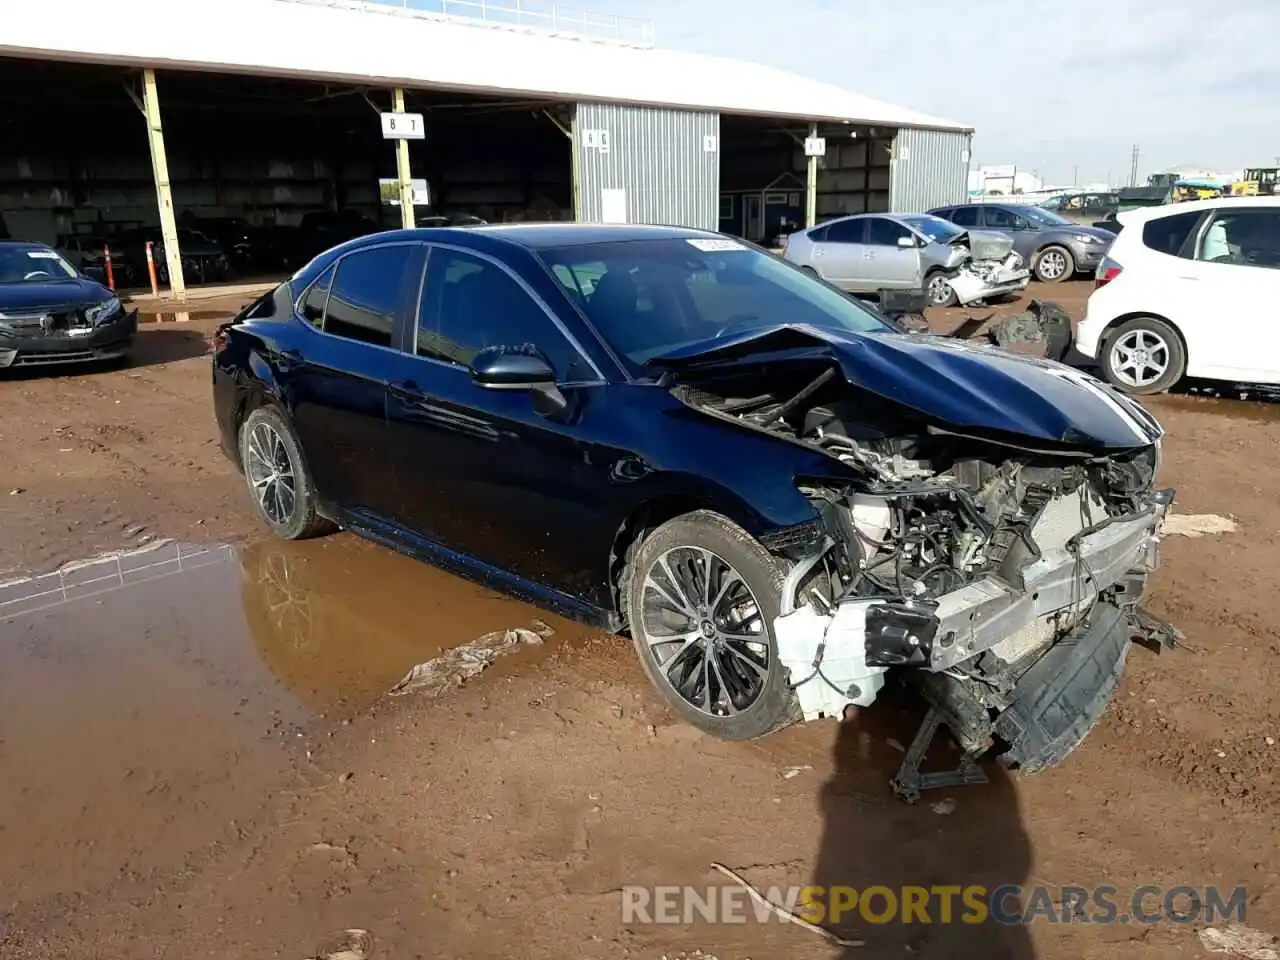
334, 267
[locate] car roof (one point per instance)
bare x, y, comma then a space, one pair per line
539, 236
1145, 214
22, 245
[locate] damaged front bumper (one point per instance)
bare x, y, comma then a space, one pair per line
839, 658
970, 285
108, 340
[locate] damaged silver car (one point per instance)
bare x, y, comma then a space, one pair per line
871, 253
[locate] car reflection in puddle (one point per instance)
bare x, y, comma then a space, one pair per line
342, 622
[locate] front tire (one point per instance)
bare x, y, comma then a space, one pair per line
702, 595
277, 476
1054, 264
937, 292
1144, 356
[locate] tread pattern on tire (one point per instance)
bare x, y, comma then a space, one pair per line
310, 523
786, 705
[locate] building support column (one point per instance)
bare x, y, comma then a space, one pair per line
811, 186
403, 172
164, 193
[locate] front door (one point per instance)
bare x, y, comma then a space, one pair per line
1235, 279
334, 380
890, 264
481, 471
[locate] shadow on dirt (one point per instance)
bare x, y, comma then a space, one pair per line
160, 345
950, 843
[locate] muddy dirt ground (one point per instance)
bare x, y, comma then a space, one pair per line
198, 758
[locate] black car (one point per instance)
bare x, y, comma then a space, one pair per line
49, 313
782, 498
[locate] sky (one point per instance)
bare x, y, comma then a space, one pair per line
1063, 89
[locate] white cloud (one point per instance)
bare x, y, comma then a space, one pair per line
1049, 86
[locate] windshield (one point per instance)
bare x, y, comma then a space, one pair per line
935, 228
33, 265
649, 297
1041, 216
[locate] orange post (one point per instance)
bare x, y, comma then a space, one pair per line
151, 269
111, 277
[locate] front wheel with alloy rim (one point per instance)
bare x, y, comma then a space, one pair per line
701, 598
1054, 264
277, 476
939, 291
1144, 356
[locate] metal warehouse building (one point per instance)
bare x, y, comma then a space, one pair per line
134, 119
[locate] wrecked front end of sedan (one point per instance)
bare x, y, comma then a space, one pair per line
985, 534
978, 266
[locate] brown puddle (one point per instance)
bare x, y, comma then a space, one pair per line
1258, 409
146, 699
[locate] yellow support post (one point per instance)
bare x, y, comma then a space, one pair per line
164, 194
402, 168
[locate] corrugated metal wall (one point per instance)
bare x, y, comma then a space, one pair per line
930, 168
646, 165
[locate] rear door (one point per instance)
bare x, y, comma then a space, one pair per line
889, 264
334, 377
840, 257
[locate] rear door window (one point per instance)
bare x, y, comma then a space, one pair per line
965, 216
366, 294
846, 231
1170, 234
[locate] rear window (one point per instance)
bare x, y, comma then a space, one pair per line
1169, 234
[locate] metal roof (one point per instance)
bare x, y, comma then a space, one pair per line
376, 44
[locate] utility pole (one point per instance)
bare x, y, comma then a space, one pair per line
1075, 176
1133, 166
164, 193
403, 173
811, 180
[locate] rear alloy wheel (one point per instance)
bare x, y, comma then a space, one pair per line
702, 595
1144, 356
938, 291
1054, 264
277, 476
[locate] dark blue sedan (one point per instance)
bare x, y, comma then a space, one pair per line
780, 496
50, 313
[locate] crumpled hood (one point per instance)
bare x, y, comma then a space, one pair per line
954, 384
56, 293
984, 244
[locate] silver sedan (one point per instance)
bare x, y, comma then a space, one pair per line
867, 253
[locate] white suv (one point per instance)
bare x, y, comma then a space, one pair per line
1191, 289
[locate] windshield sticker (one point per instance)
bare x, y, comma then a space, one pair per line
715, 246
42, 255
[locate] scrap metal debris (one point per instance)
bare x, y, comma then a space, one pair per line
1196, 525
1043, 329
1237, 940
353, 944
458, 665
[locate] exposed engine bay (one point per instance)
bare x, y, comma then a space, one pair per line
984, 265
999, 579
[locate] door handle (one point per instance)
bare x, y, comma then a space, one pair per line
288, 359
1183, 276
406, 391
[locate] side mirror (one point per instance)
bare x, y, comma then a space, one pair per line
907, 242
511, 368
520, 368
